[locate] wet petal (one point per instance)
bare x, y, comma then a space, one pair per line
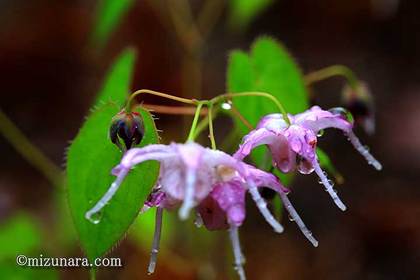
328, 185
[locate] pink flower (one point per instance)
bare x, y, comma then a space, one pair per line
210, 180
293, 147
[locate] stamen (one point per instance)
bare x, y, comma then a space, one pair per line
107, 197
363, 150
328, 187
262, 206
237, 253
295, 216
189, 195
156, 241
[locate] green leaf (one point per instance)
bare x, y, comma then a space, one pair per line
20, 234
89, 162
242, 12
108, 15
268, 68
116, 85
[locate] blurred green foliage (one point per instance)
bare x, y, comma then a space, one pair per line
108, 15
242, 12
21, 234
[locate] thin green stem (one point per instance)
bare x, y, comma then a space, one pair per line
192, 133
211, 132
204, 123
131, 100
331, 71
223, 97
29, 151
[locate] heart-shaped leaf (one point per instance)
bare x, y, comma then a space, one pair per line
89, 162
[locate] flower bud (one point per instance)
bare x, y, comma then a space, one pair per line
360, 104
128, 128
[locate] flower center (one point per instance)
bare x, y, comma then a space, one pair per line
225, 173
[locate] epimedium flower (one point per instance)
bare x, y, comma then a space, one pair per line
294, 146
211, 181
127, 127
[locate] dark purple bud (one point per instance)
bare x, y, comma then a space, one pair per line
360, 104
127, 128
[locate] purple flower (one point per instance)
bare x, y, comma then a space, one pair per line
210, 180
293, 147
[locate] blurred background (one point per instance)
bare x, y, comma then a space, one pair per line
51, 69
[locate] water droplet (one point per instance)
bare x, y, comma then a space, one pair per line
343, 113
226, 106
320, 182
95, 218
291, 218
320, 133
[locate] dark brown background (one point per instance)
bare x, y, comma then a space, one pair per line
49, 75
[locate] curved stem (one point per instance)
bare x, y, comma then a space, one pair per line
130, 102
211, 132
223, 97
331, 71
191, 135
29, 151
173, 110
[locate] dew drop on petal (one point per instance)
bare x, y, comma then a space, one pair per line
291, 218
320, 133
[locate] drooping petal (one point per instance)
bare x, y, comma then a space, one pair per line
328, 185
363, 151
269, 180
283, 158
188, 202
121, 171
296, 218
237, 252
214, 217
156, 240
317, 119
230, 196
262, 206
107, 197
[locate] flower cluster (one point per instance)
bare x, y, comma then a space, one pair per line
294, 146
214, 184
